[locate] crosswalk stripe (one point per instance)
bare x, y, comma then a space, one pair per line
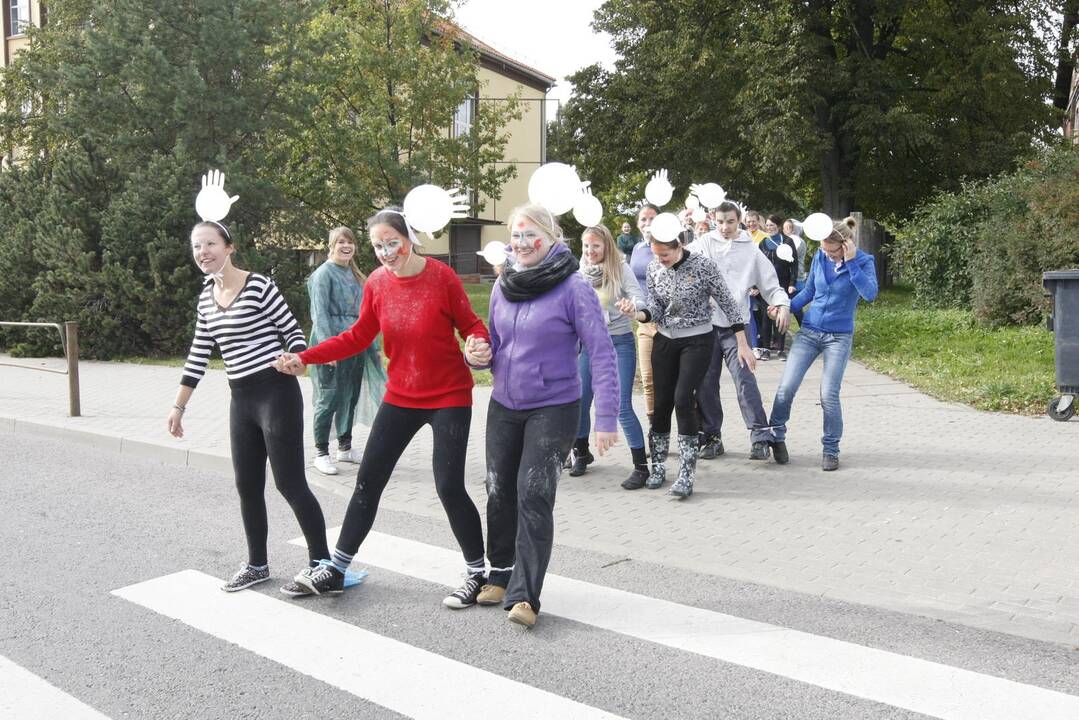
408, 680
25, 696
898, 680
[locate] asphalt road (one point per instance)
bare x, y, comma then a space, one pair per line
75, 526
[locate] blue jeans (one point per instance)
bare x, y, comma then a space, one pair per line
626, 352
807, 345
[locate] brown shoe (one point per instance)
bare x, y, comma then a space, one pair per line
523, 614
491, 595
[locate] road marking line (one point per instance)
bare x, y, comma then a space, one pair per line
408, 680
898, 680
26, 696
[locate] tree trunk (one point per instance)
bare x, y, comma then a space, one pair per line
1065, 59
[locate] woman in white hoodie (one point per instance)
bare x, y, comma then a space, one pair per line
743, 266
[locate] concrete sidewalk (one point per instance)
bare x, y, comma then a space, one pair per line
938, 509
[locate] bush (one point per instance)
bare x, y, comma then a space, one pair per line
986, 247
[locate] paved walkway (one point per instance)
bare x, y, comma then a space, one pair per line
938, 509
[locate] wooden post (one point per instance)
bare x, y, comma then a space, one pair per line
71, 332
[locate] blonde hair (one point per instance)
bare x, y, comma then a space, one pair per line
612, 261
539, 216
842, 231
344, 232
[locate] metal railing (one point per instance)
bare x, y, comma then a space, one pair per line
69, 340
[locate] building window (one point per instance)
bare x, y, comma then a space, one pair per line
462, 119
20, 16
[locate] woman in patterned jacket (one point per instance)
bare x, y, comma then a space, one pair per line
680, 284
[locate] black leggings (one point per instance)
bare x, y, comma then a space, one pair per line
678, 368
392, 431
525, 451
266, 419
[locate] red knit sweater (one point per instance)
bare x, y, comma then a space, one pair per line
417, 316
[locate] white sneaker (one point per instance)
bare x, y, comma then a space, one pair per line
324, 465
352, 455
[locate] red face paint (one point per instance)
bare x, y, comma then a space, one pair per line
537, 244
401, 251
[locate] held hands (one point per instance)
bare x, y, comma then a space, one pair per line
477, 351
781, 315
605, 441
754, 291
290, 364
626, 307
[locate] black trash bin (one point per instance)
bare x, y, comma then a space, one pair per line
1063, 288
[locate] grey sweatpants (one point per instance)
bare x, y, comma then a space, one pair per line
745, 382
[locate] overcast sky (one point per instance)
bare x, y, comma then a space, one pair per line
553, 36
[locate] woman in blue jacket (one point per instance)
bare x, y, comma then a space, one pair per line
840, 276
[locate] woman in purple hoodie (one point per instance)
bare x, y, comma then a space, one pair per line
541, 310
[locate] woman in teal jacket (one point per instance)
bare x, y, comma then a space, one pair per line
335, 290
840, 276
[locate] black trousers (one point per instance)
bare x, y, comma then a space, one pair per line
266, 420
525, 452
392, 431
678, 369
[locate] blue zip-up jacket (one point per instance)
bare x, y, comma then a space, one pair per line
833, 303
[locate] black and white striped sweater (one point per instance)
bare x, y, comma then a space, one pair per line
248, 331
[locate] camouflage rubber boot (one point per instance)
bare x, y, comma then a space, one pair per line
660, 444
688, 447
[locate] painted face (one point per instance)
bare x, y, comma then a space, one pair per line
391, 247
528, 241
728, 224
644, 220
833, 250
209, 249
753, 223
343, 250
667, 256
771, 228
592, 248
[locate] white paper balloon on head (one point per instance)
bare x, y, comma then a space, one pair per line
710, 194
428, 208
784, 252
213, 203
659, 190
817, 226
555, 186
692, 203
494, 253
665, 227
587, 210
699, 215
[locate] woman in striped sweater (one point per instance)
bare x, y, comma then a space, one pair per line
245, 315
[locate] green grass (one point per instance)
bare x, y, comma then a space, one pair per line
946, 354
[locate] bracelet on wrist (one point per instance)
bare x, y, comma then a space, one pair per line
181, 408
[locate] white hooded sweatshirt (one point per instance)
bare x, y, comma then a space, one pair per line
743, 266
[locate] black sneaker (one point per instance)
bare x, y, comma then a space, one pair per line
829, 463
711, 447
245, 577
465, 596
580, 463
759, 451
779, 452
295, 589
636, 479
323, 580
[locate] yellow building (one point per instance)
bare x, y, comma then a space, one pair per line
499, 77
17, 15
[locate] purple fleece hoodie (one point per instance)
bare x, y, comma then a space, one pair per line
534, 348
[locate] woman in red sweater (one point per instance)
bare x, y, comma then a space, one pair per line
416, 303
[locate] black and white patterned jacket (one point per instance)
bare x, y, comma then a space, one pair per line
679, 296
